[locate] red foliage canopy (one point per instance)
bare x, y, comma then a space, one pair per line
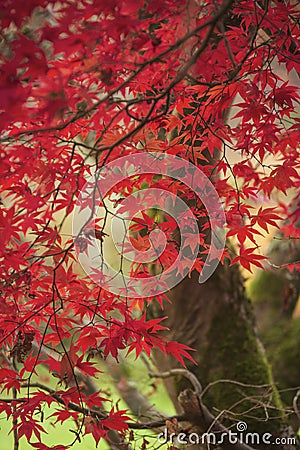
83, 83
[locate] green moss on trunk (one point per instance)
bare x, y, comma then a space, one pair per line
234, 354
217, 320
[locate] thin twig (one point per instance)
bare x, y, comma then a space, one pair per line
295, 405
14, 414
183, 372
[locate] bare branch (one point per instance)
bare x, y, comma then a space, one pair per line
196, 412
183, 372
295, 405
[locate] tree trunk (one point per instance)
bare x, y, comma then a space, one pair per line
275, 296
216, 320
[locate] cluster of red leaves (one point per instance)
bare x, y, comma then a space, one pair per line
82, 83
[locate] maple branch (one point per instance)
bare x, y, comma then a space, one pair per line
15, 421
203, 416
70, 405
137, 402
90, 411
14, 409
295, 405
210, 23
185, 373
89, 387
285, 265
11, 362
237, 383
96, 414
196, 412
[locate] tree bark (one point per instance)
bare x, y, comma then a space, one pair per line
216, 320
276, 301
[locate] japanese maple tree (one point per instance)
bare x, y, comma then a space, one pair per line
83, 86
